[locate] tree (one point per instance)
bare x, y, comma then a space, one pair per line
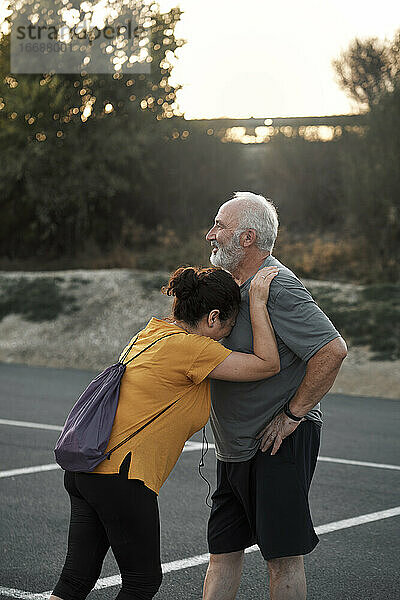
371, 165
368, 69
76, 148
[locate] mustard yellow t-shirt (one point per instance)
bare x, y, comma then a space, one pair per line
174, 368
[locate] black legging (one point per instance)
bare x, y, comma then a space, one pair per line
111, 510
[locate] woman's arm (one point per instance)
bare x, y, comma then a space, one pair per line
264, 363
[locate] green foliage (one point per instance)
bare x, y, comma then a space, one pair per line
38, 299
368, 69
133, 187
390, 292
151, 282
67, 178
371, 319
370, 163
372, 188
154, 283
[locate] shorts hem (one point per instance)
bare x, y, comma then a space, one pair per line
272, 556
241, 547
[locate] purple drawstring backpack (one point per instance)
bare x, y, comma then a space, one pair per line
85, 435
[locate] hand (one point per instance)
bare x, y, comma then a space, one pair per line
276, 431
259, 288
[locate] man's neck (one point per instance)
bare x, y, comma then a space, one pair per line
248, 267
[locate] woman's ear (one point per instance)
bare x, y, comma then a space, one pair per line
212, 317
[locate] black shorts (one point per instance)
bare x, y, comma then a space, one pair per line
264, 500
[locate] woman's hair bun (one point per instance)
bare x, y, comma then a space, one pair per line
198, 291
183, 283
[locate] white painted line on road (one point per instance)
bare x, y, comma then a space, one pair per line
342, 461
346, 523
175, 565
358, 463
189, 446
12, 593
201, 559
31, 425
27, 470
369, 518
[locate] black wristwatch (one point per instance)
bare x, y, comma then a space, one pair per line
289, 414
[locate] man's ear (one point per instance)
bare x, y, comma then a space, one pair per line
212, 317
248, 238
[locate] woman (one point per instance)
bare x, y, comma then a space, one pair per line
116, 504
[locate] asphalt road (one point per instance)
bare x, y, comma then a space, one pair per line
356, 562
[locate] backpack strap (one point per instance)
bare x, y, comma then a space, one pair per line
108, 454
129, 349
149, 346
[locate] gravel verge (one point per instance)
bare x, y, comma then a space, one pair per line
110, 306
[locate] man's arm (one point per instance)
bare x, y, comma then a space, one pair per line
321, 372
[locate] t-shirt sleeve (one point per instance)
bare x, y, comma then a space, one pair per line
208, 355
300, 323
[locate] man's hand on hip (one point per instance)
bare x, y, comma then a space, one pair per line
276, 431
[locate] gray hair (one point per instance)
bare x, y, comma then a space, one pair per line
258, 213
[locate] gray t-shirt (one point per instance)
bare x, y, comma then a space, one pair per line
240, 410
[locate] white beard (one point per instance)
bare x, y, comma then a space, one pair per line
230, 256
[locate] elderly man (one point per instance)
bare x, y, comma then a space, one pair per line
267, 433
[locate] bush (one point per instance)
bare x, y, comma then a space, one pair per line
39, 299
371, 319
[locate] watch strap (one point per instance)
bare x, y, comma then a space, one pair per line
289, 413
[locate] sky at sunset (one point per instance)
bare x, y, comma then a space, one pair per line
266, 58
262, 58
